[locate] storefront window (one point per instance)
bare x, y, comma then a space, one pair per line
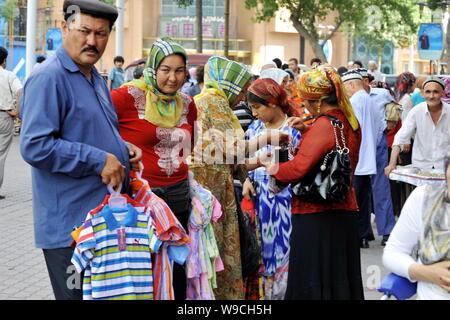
212, 8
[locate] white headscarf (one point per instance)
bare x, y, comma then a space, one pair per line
275, 74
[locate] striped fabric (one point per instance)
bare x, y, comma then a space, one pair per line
109, 272
175, 239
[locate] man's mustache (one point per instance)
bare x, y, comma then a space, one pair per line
91, 48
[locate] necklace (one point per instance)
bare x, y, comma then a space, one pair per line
281, 126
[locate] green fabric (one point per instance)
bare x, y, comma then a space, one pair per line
227, 76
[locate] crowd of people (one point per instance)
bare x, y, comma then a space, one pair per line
243, 138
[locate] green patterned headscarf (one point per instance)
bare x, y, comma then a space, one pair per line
161, 109
227, 76
434, 241
160, 49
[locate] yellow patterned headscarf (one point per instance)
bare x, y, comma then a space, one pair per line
317, 85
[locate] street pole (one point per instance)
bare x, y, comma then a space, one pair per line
31, 36
226, 44
199, 21
120, 28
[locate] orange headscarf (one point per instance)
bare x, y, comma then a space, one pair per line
317, 85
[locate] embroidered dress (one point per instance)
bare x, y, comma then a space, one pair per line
115, 247
274, 214
214, 156
204, 260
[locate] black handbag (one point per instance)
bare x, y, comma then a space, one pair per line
331, 181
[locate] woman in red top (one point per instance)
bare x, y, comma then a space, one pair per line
324, 261
154, 115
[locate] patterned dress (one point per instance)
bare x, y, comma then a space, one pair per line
274, 218
214, 121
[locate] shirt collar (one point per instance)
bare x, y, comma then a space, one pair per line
130, 219
445, 107
68, 62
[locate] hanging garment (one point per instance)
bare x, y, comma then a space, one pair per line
175, 246
115, 247
204, 260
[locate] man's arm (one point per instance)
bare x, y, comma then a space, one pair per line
42, 112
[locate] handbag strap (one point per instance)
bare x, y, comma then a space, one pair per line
336, 124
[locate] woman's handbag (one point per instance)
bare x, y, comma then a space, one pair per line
331, 181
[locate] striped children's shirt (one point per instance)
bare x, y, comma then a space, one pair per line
115, 267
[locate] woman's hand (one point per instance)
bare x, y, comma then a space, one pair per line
248, 189
135, 154
437, 273
297, 123
274, 138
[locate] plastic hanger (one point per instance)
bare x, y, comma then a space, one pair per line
116, 200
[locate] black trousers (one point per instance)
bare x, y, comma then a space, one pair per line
178, 199
66, 282
363, 190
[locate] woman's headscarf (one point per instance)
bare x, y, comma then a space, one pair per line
434, 241
383, 85
319, 84
404, 84
275, 74
226, 77
446, 97
272, 92
161, 110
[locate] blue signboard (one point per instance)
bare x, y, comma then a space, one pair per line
53, 41
431, 41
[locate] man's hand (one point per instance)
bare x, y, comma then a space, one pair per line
388, 170
406, 148
13, 114
135, 154
113, 172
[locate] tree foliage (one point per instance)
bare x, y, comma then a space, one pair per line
8, 9
350, 15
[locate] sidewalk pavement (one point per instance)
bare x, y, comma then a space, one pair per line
23, 274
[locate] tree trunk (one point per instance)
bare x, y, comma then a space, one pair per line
312, 40
226, 44
199, 17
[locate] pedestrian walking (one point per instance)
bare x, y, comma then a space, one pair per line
10, 88
117, 74
366, 114
70, 137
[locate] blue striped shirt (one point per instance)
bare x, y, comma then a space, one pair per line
111, 273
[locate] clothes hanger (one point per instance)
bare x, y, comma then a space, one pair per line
116, 200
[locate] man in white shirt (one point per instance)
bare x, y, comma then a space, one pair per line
10, 88
365, 113
429, 124
373, 70
381, 189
